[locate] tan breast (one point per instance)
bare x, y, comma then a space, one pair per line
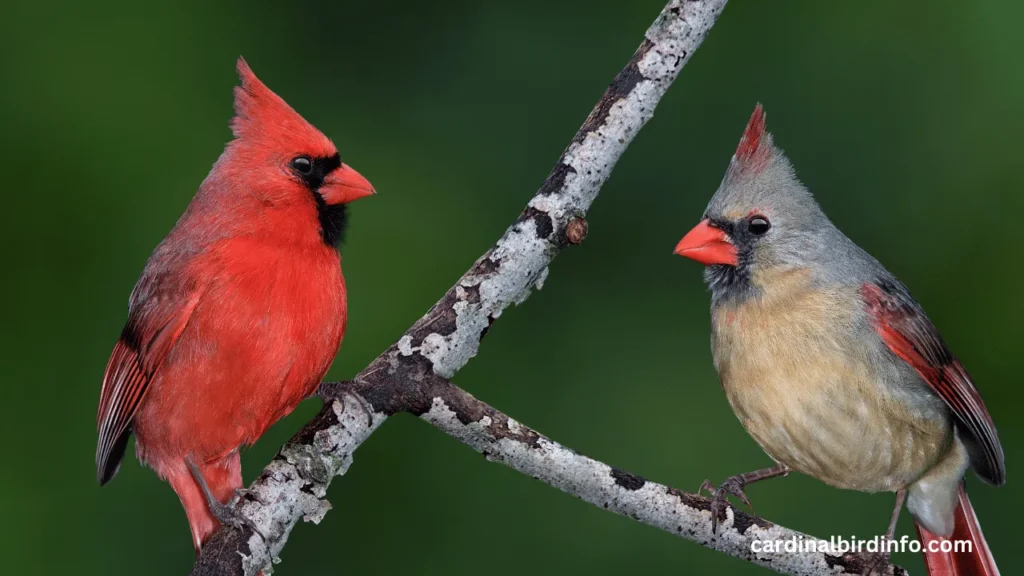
811, 398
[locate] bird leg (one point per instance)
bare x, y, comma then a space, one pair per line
338, 391
876, 562
734, 485
226, 514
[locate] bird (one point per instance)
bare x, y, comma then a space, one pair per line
831, 365
237, 314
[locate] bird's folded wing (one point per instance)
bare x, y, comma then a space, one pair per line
158, 315
907, 331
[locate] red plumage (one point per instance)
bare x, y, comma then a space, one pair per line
755, 147
978, 561
908, 332
239, 312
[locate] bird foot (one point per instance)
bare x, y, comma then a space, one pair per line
340, 391
227, 514
333, 390
875, 563
732, 485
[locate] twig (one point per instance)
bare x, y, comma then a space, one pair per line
411, 376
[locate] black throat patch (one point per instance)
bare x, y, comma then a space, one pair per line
728, 283
332, 218
732, 283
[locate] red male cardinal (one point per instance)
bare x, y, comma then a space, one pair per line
831, 365
238, 313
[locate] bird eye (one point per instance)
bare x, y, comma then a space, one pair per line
302, 165
758, 225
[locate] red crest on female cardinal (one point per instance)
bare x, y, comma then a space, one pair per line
755, 147
830, 364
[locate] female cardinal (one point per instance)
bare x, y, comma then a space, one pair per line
831, 365
238, 313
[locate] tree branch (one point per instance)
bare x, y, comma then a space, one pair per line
503, 439
412, 375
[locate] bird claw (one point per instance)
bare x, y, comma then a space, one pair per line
332, 390
367, 408
228, 515
732, 485
339, 391
875, 563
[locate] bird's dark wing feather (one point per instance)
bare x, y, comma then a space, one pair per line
160, 308
907, 331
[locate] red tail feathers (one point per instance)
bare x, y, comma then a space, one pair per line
976, 562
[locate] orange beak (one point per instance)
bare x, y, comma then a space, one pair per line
707, 245
345, 185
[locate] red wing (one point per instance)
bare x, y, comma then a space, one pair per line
907, 331
154, 324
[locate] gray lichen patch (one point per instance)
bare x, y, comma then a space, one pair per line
294, 485
521, 258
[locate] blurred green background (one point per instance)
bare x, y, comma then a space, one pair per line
904, 118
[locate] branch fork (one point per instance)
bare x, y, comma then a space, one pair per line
413, 375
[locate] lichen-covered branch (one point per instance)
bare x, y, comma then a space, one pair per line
687, 515
502, 439
354, 409
411, 376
